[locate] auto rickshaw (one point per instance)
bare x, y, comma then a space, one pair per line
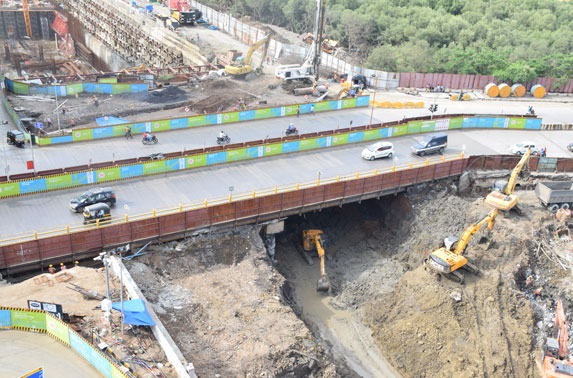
98, 212
15, 137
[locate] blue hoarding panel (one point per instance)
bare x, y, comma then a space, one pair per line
33, 186
356, 137
384, 133
138, 127
131, 171
211, 119
276, 112
87, 352
175, 164
103, 132
216, 158
290, 146
81, 178
305, 108
254, 152
363, 101
322, 142
501, 122
89, 87
333, 105
179, 123
533, 124
5, 318
138, 88
38, 90
485, 122
62, 139
246, 115
470, 122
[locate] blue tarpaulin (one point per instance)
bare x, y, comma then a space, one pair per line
134, 312
108, 121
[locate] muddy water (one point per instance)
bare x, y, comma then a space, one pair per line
350, 340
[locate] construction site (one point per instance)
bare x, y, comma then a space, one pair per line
313, 261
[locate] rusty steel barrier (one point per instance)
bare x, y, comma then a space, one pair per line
38, 249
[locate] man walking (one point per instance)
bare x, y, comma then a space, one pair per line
312, 109
128, 132
297, 111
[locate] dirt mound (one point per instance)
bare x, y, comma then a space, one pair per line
170, 94
220, 299
214, 103
219, 84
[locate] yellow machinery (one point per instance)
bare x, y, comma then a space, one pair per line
345, 88
243, 66
505, 199
449, 257
129, 70
313, 239
26, 12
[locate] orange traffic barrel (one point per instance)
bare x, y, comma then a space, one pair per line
517, 90
538, 91
504, 90
492, 90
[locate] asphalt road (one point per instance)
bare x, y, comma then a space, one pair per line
48, 210
73, 154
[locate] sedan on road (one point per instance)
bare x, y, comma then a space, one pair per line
378, 150
521, 148
570, 147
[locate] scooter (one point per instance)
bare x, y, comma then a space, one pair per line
294, 131
530, 111
223, 140
152, 140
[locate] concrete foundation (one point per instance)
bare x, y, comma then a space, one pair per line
113, 60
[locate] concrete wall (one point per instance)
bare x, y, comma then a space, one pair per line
110, 57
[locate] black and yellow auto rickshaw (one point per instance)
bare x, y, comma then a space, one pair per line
98, 212
15, 137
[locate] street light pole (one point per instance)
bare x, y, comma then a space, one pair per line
6, 167
57, 112
373, 100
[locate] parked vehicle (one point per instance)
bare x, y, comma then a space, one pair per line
223, 140
521, 148
149, 139
431, 144
570, 147
378, 150
93, 196
555, 194
98, 212
16, 138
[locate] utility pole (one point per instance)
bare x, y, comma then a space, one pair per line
57, 112
374, 99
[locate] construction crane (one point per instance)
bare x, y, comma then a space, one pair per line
26, 12
555, 364
504, 199
243, 65
308, 71
313, 239
449, 257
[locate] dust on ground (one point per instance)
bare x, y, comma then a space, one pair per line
221, 300
135, 345
378, 280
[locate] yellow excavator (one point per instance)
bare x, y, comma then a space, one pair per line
243, 67
447, 259
504, 199
346, 87
313, 239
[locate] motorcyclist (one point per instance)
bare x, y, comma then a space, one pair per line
222, 135
290, 129
530, 110
147, 136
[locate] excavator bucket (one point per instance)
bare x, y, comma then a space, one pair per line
323, 284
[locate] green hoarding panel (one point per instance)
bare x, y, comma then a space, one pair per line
115, 373
196, 161
161, 125
262, 113
338, 140
456, 123
108, 174
108, 80
349, 103
371, 134
21, 88
273, 149
308, 144
154, 167
121, 88
231, 117
197, 121
321, 106
414, 127
291, 110
9, 189
35, 320
400, 130
428, 126
236, 154
120, 130
82, 134
57, 329
72, 89
517, 123
57, 182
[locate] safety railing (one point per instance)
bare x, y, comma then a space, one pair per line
68, 229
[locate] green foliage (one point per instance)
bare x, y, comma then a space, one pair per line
516, 40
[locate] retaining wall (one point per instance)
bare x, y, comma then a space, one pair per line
251, 150
43, 322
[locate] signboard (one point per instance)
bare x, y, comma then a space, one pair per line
38, 373
38, 125
52, 308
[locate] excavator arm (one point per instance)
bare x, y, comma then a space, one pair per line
312, 239
561, 326
254, 48
471, 230
513, 178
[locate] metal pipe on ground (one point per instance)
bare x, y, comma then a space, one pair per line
309, 90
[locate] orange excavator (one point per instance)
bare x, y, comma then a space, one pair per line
555, 363
313, 239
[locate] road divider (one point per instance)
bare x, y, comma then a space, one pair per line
178, 161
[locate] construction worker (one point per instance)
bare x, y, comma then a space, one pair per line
51, 269
76, 263
62, 266
128, 132
297, 111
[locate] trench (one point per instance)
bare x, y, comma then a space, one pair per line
353, 257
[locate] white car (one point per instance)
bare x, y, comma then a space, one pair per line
378, 150
521, 148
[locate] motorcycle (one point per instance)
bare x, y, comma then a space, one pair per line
530, 111
294, 131
152, 140
223, 140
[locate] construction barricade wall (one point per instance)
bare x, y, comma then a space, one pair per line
108, 87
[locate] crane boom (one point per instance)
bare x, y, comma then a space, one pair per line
26, 12
254, 47
561, 326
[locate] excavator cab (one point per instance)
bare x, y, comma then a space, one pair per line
315, 240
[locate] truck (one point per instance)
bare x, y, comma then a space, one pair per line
555, 194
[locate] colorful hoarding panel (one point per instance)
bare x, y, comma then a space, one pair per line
90, 354
28, 319
57, 329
